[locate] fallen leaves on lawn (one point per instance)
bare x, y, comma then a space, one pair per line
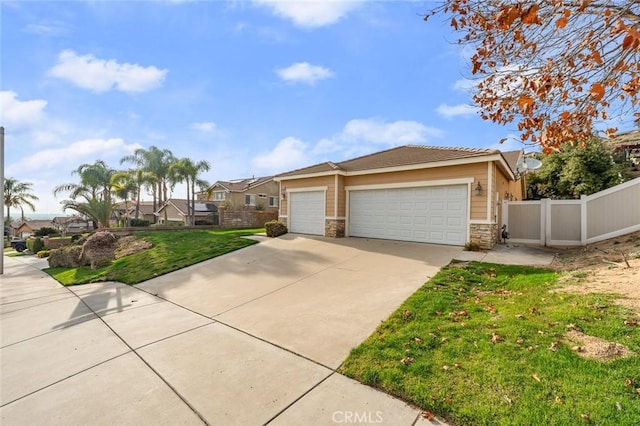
407, 360
428, 415
632, 322
554, 346
496, 338
536, 378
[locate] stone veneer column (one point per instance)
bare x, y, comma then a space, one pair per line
485, 235
334, 228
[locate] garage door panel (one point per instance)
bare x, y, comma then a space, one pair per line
425, 214
306, 215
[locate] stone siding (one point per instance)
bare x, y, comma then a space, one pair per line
245, 218
485, 235
334, 228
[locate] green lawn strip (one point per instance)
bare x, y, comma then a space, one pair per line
172, 250
436, 351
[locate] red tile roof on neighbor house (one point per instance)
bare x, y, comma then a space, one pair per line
406, 155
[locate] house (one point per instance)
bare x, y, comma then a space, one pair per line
628, 143
175, 211
70, 225
145, 211
251, 193
25, 228
411, 193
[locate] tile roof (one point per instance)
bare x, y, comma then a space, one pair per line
395, 157
511, 157
241, 185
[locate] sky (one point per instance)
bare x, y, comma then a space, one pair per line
254, 87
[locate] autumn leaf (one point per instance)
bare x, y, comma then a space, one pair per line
525, 103
536, 378
596, 91
531, 15
561, 23
428, 415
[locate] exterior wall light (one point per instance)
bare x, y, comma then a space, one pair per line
478, 189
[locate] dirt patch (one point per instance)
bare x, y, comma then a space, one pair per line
130, 245
595, 348
602, 268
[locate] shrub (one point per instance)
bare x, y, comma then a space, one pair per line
35, 244
100, 248
67, 257
472, 246
43, 253
46, 231
139, 222
275, 228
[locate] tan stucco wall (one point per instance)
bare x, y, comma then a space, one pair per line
270, 188
479, 172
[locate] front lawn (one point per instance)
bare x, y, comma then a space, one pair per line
172, 250
487, 344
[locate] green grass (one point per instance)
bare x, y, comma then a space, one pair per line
172, 250
436, 351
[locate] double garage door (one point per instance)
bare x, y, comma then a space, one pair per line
436, 214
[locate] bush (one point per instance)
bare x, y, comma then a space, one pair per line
46, 231
43, 253
67, 257
139, 222
35, 244
100, 249
275, 228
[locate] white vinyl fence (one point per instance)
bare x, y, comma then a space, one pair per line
606, 214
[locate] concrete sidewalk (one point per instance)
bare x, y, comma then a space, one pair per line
108, 353
511, 254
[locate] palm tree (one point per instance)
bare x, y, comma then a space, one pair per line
96, 190
95, 179
17, 194
188, 171
156, 162
124, 185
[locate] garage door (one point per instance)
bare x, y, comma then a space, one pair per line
306, 212
435, 214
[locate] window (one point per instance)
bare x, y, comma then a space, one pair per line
262, 195
219, 196
273, 201
250, 200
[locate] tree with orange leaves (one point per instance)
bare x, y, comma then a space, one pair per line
559, 69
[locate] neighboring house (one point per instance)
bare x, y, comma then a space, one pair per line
253, 193
175, 211
145, 212
25, 228
70, 225
411, 193
628, 143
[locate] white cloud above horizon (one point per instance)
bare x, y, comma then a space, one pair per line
100, 75
20, 114
304, 72
460, 110
288, 154
203, 126
401, 132
311, 13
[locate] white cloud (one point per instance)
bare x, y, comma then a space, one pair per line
48, 30
288, 154
311, 13
73, 155
101, 75
450, 111
304, 72
20, 114
203, 126
390, 133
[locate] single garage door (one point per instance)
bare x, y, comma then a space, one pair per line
306, 212
436, 214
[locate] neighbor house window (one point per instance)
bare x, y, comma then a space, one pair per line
273, 201
219, 196
250, 200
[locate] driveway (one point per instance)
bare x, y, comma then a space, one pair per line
252, 337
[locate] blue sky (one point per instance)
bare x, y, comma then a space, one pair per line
254, 87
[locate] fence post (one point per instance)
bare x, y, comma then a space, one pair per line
583, 220
505, 214
545, 221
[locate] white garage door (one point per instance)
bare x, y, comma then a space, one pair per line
306, 212
435, 214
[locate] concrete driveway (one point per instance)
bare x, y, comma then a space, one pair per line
252, 337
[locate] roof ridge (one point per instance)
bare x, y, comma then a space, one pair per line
447, 148
370, 154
